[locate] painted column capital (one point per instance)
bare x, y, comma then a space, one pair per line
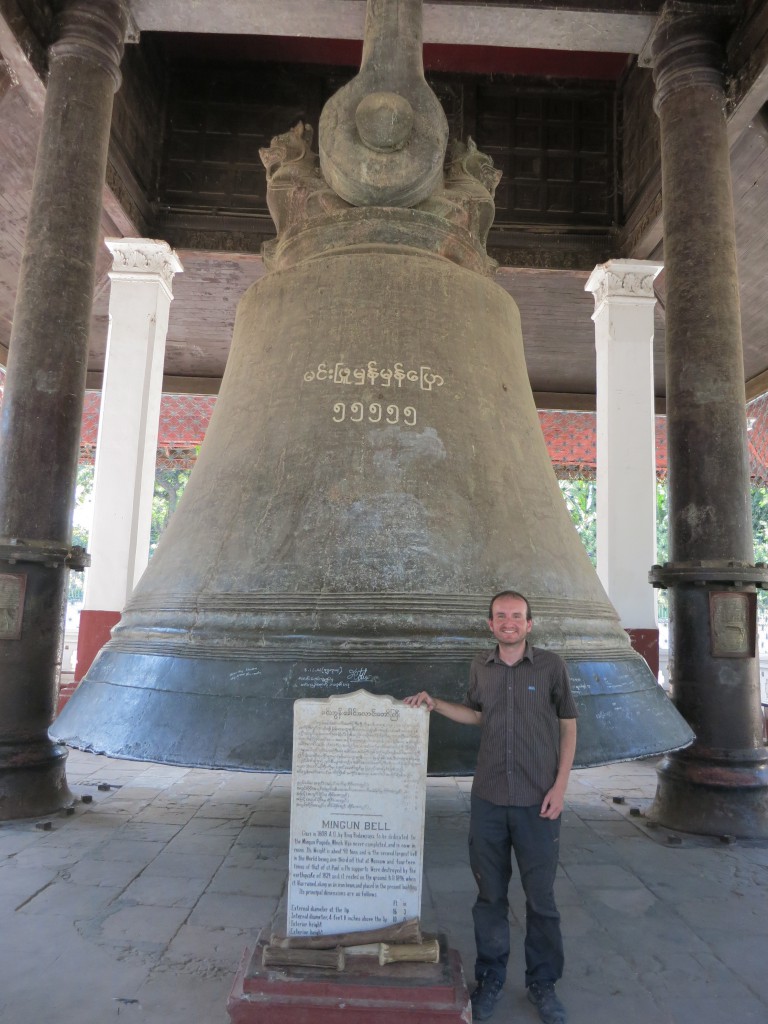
623, 282
143, 259
93, 30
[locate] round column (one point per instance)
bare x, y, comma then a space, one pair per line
720, 784
42, 406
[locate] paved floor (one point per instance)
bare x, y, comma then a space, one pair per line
138, 906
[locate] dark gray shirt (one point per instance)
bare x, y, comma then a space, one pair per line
521, 706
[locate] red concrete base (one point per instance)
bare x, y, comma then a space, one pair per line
364, 993
93, 633
646, 642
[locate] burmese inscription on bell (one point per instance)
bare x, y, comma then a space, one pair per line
357, 813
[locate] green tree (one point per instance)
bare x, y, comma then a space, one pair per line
662, 542
581, 500
662, 521
580, 496
169, 487
80, 536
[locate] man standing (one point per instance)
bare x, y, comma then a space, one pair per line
520, 697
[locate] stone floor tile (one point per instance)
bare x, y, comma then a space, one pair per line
738, 915
227, 809
173, 995
445, 880
185, 865
142, 928
228, 910
15, 838
66, 978
203, 950
272, 837
211, 827
140, 834
44, 856
258, 881
113, 873
592, 852
654, 929
616, 828
600, 876
19, 884
69, 900
200, 846
257, 858
165, 890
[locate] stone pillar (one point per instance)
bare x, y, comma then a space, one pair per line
626, 445
126, 452
42, 406
718, 785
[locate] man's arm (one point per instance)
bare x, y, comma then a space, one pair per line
552, 806
456, 712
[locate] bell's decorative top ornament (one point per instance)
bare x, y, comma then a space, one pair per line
374, 469
383, 135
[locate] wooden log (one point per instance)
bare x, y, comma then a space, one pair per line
410, 952
326, 959
406, 931
427, 952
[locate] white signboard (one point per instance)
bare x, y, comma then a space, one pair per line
357, 813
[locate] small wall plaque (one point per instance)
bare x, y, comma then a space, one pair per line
733, 624
12, 587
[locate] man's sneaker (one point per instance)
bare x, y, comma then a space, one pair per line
485, 997
542, 995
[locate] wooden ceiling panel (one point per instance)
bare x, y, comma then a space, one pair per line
556, 311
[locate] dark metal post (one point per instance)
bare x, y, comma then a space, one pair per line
720, 784
42, 406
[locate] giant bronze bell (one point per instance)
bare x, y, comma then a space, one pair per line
374, 469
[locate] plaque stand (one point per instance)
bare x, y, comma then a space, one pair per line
411, 993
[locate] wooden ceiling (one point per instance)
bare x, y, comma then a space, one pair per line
479, 55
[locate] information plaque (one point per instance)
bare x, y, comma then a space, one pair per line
357, 813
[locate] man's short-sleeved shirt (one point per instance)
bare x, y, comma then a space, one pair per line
521, 706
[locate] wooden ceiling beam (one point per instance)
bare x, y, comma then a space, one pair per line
23, 53
757, 386
7, 78
172, 385
608, 26
747, 58
564, 401
747, 94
